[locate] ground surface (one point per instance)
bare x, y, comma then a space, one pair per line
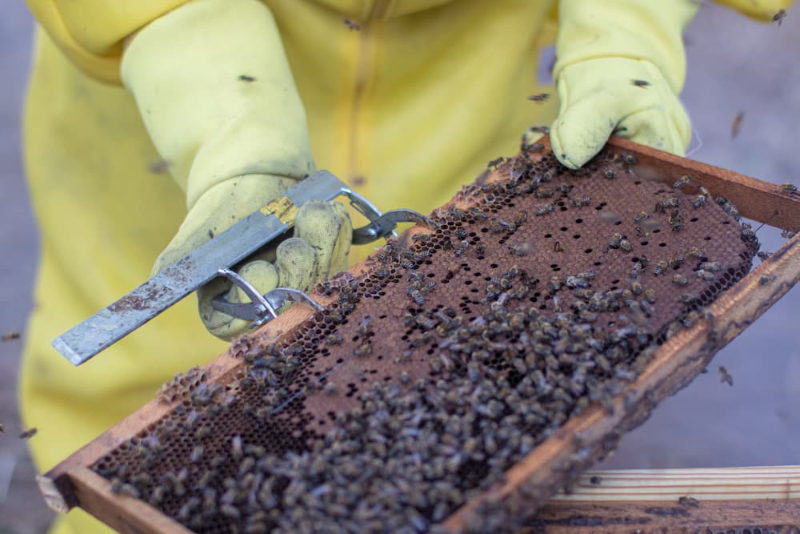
734, 65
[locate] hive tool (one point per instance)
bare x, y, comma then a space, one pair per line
217, 258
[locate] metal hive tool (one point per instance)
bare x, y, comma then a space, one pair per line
434, 306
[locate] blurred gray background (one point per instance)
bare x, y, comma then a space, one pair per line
734, 65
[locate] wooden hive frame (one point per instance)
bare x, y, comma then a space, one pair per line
751, 498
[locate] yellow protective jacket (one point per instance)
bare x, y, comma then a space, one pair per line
377, 101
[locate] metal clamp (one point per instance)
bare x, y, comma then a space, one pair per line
261, 308
381, 224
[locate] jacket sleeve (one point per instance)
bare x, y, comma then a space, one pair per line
91, 32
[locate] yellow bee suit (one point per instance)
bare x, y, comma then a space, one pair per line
406, 109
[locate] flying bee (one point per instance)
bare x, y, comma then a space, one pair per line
640, 83
540, 129
779, 16
682, 181
724, 376
541, 97
351, 25
28, 434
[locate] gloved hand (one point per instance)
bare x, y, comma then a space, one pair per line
216, 94
620, 67
319, 247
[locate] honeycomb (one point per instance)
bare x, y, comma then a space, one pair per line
456, 352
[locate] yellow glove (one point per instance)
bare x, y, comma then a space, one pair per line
214, 88
620, 67
762, 10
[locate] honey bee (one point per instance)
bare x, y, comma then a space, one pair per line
496, 162
699, 201
695, 252
521, 250
541, 97
682, 181
9, 336
711, 266
364, 324
788, 188
352, 25
688, 501
664, 204
544, 209
736, 124
680, 280
27, 434
579, 202
724, 376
